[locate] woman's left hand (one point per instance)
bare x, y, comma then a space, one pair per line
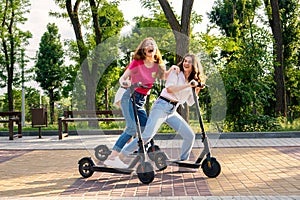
176, 68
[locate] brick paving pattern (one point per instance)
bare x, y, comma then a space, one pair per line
7, 155
250, 172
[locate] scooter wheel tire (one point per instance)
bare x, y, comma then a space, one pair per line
152, 150
213, 170
145, 172
86, 167
102, 152
160, 161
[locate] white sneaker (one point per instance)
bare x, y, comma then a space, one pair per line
116, 163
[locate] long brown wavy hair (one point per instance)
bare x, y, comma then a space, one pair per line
139, 54
197, 72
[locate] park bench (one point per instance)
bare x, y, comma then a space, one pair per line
10, 117
86, 116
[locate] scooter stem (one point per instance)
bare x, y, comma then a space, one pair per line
137, 121
199, 114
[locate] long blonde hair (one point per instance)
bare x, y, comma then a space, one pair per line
139, 54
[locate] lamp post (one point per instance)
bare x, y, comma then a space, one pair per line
23, 88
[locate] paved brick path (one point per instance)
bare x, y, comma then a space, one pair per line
247, 172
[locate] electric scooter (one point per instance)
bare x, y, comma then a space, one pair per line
209, 165
145, 170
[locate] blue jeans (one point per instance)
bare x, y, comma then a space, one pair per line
161, 112
128, 113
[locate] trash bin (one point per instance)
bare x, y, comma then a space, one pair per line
39, 118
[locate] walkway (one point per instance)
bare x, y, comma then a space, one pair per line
262, 168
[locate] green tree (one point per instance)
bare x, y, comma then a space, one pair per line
17, 100
111, 22
13, 40
32, 97
50, 72
289, 10
105, 20
246, 66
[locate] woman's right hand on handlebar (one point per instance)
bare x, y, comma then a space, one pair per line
125, 83
193, 83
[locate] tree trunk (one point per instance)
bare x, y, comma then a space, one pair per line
182, 45
83, 52
276, 26
9, 87
96, 24
181, 33
9, 56
9, 78
12, 63
89, 74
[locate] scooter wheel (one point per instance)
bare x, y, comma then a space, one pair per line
145, 172
86, 167
160, 161
102, 152
151, 151
212, 170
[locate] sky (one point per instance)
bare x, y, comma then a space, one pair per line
38, 19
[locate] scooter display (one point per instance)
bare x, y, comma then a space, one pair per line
210, 166
145, 170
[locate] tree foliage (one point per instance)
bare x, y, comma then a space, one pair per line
13, 39
245, 65
254, 62
291, 33
50, 72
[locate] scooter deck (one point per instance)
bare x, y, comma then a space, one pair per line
187, 164
113, 170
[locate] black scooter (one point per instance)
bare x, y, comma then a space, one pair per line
209, 165
145, 170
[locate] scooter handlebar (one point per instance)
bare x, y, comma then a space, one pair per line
140, 85
136, 85
197, 84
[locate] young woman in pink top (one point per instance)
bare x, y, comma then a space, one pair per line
147, 65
